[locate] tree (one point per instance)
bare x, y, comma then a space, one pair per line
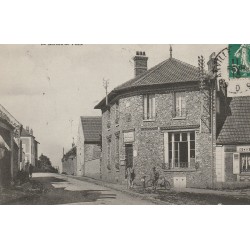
44, 162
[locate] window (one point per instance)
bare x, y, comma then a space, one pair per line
117, 115
181, 149
149, 107
180, 104
108, 118
109, 153
117, 152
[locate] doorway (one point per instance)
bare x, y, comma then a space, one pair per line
129, 155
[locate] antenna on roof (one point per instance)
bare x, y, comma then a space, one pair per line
105, 85
171, 51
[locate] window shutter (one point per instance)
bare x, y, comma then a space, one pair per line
144, 107
236, 163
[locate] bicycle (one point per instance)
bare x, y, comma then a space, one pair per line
161, 182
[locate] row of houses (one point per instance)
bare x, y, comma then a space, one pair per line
18, 148
175, 118
84, 158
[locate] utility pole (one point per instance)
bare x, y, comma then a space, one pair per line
105, 85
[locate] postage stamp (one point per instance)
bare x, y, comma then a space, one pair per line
239, 60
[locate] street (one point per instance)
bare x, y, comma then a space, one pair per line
59, 189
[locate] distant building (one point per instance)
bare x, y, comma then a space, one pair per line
89, 146
69, 162
10, 147
233, 142
30, 146
10, 132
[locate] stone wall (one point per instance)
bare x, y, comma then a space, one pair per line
149, 137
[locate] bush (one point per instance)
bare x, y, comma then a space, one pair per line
22, 177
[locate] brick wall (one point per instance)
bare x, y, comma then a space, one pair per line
149, 137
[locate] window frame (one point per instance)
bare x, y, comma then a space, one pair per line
149, 107
180, 102
170, 148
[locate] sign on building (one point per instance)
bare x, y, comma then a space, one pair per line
128, 137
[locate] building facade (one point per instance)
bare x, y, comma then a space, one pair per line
89, 146
69, 163
233, 142
29, 146
11, 149
164, 117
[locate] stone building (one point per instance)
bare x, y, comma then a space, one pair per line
164, 117
233, 142
30, 146
11, 148
89, 146
69, 165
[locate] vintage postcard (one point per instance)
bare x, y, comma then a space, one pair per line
125, 124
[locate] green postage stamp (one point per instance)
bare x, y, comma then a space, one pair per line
239, 61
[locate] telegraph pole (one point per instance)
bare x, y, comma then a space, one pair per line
105, 85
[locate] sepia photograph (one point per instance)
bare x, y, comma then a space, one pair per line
124, 125
159, 124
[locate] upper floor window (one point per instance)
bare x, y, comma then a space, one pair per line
149, 107
117, 115
180, 104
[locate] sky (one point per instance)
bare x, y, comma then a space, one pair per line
48, 87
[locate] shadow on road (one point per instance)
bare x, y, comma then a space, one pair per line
53, 196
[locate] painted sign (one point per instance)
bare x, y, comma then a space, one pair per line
243, 149
236, 163
128, 137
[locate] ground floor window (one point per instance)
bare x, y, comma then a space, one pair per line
109, 153
117, 152
180, 149
245, 162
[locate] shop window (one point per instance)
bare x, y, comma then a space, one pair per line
149, 107
245, 162
181, 150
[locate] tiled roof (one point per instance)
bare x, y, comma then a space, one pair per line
71, 152
167, 72
236, 128
25, 133
92, 128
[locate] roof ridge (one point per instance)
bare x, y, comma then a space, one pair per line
142, 76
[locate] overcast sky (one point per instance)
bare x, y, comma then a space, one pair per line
49, 87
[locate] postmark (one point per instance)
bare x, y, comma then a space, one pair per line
232, 67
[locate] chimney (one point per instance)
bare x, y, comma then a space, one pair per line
141, 63
27, 129
211, 64
31, 131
